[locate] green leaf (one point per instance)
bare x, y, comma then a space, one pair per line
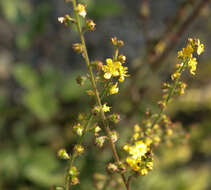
25, 76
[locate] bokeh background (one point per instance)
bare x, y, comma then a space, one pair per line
40, 100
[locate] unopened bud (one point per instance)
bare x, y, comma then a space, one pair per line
122, 58
78, 47
80, 80
62, 154
112, 168
90, 24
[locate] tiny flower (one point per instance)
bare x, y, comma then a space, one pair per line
78, 47
78, 129
98, 65
73, 171
97, 129
200, 49
182, 88
136, 128
162, 104
156, 139
175, 75
90, 24
79, 149
100, 141
169, 132
114, 136
120, 43
122, 58
61, 19
74, 180
112, 167
81, 9
90, 92
192, 63
62, 154
115, 118
149, 165
144, 171
114, 41
66, 20
106, 108
126, 147
96, 110
81, 116
136, 136
80, 80
114, 89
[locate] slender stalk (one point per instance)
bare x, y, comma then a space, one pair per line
67, 178
94, 86
90, 118
171, 93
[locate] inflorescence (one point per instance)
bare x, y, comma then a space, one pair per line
105, 82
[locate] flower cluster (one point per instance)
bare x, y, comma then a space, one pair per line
186, 54
114, 69
154, 129
140, 157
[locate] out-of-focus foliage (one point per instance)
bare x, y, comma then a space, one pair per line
40, 100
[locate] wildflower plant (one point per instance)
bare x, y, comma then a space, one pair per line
106, 79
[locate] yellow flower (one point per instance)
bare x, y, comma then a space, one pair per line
114, 69
97, 129
188, 51
106, 108
78, 129
192, 63
81, 9
114, 89
79, 149
138, 150
199, 47
135, 136
62, 153
136, 128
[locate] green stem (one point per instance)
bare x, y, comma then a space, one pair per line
92, 79
67, 178
171, 93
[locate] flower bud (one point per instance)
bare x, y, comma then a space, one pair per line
74, 180
112, 168
114, 41
79, 149
90, 25
98, 65
115, 118
90, 92
120, 43
97, 129
122, 58
62, 154
100, 141
81, 9
80, 80
78, 47
73, 171
78, 129
66, 20
114, 136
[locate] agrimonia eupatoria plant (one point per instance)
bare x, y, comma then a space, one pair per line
105, 79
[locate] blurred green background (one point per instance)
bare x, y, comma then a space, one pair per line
40, 100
